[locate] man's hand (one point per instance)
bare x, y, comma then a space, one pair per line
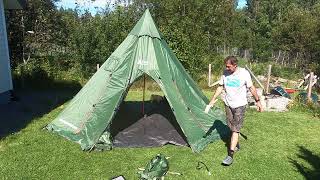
259, 107
210, 105
255, 95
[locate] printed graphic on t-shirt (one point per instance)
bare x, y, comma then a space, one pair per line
233, 82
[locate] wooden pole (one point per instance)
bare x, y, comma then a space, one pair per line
254, 77
209, 76
304, 79
214, 84
310, 87
268, 79
144, 85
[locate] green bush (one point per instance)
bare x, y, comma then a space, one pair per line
45, 72
31, 74
299, 105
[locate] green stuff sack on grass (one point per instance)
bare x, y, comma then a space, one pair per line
156, 168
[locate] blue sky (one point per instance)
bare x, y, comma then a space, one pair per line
93, 6
242, 3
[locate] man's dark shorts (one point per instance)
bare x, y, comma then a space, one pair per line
235, 117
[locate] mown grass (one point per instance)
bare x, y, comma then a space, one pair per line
278, 146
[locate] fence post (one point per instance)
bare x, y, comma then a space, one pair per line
310, 87
268, 79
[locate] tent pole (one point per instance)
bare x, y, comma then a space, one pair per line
144, 85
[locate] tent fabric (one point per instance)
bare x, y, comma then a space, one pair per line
87, 118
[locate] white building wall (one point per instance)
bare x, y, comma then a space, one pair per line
5, 70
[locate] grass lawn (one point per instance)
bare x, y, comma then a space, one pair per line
279, 146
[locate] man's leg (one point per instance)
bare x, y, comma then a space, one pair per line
238, 121
230, 116
234, 140
235, 120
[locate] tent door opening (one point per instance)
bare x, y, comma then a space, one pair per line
146, 123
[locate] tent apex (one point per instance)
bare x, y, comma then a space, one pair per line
146, 26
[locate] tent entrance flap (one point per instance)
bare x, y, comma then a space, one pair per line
159, 127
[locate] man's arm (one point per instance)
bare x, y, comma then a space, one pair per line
214, 99
253, 91
218, 92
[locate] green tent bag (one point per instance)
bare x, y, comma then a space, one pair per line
156, 168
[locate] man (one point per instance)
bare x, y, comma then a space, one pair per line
235, 81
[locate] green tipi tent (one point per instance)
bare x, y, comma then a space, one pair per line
87, 118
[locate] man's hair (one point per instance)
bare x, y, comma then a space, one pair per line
231, 59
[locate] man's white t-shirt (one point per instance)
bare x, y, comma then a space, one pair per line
235, 86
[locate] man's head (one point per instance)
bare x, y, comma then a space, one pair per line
231, 63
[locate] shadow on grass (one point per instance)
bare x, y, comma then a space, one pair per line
223, 131
312, 159
34, 101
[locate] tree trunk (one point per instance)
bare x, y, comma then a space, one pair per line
279, 53
283, 57
245, 54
